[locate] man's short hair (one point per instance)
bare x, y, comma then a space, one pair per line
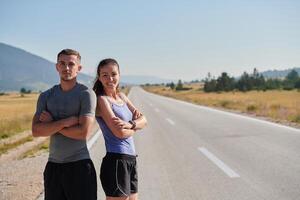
69, 52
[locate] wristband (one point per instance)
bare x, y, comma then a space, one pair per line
132, 122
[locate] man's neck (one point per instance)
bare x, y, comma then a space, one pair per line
67, 85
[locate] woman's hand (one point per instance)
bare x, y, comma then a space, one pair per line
136, 114
120, 124
45, 117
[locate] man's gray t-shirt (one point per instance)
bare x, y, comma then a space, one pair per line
79, 101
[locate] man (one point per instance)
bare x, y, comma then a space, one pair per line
66, 113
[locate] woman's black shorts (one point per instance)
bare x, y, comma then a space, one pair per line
118, 175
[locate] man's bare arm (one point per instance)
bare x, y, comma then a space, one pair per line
44, 129
80, 131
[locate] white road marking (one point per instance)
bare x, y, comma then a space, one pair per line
170, 121
228, 113
156, 109
219, 163
92, 141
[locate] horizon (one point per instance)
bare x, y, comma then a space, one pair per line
169, 40
162, 78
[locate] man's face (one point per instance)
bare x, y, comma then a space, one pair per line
68, 66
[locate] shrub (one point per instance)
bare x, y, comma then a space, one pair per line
296, 119
252, 108
225, 103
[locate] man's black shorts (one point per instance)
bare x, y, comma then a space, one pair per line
74, 180
118, 175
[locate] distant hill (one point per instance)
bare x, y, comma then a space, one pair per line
19, 68
138, 80
279, 73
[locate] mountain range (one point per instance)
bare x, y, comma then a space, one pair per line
22, 69
279, 73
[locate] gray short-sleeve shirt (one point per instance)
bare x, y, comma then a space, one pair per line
79, 101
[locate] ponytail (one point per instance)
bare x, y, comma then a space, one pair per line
98, 87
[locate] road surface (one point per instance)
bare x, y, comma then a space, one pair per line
192, 152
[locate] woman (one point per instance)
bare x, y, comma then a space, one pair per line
119, 120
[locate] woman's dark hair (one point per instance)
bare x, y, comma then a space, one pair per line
98, 87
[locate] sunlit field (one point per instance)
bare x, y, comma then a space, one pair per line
16, 113
279, 105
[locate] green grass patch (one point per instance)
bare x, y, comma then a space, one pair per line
275, 106
32, 152
10, 127
225, 103
5, 147
296, 119
252, 108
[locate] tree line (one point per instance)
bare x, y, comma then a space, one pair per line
247, 82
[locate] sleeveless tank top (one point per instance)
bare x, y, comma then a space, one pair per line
114, 144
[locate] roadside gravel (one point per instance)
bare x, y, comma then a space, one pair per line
21, 179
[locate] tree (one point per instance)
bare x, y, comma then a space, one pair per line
210, 85
292, 76
23, 91
290, 80
171, 85
225, 83
179, 85
272, 84
297, 84
244, 84
257, 80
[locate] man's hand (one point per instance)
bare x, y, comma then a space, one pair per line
45, 117
70, 121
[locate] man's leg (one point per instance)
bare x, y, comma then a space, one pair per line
52, 182
80, 180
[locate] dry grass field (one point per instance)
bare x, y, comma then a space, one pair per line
278, 105
16, 113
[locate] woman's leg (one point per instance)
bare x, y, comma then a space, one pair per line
133, 196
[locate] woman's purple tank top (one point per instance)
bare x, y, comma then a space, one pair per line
114, 144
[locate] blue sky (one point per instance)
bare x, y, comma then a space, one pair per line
168, 39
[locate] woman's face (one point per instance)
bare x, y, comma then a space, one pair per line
109, 76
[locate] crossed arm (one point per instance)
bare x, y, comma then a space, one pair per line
72, 127
119, 128
138, 117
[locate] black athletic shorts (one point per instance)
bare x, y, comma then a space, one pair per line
73, 180
118, 175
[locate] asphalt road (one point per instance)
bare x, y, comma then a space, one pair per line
193, 152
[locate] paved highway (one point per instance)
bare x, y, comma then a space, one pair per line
193, 152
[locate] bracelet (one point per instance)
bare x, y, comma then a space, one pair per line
132, 122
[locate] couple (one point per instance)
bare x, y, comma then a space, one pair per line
66, 113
